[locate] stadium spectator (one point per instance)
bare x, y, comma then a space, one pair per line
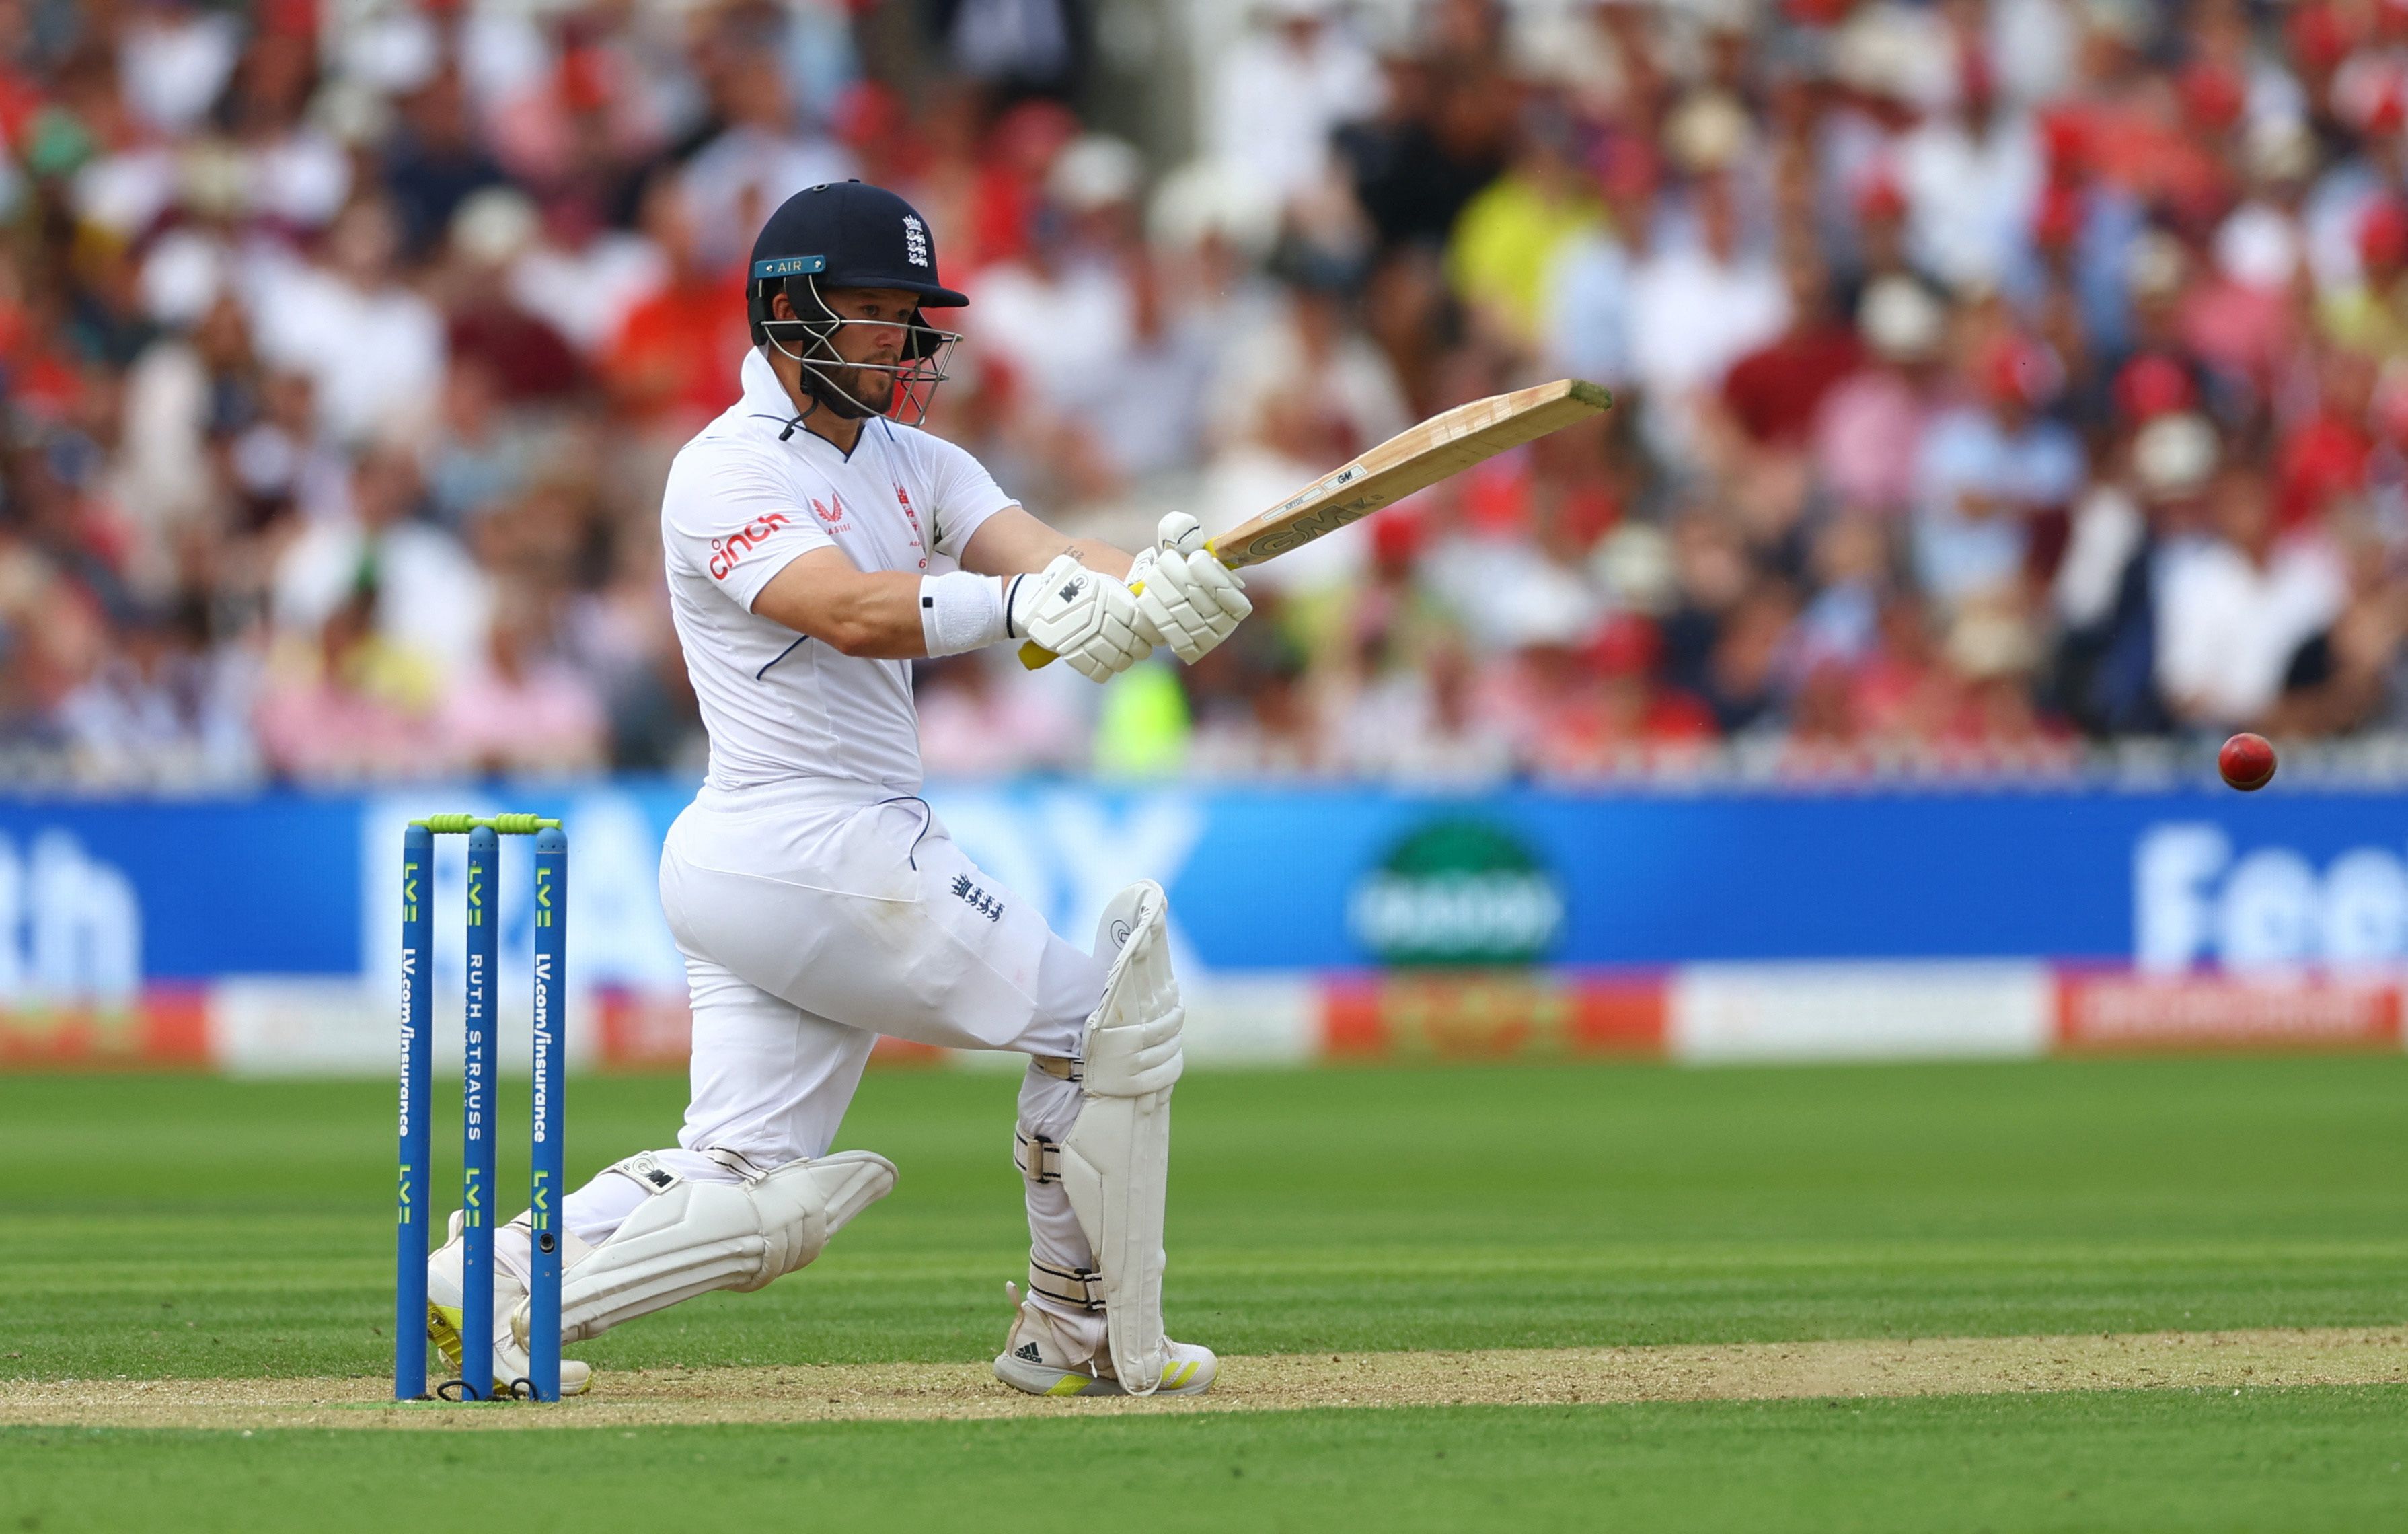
345, 705
160, 711
1988, 467
436, 160
669, 364
1698, 303
429, 599
758, 159
1284, 89
2237, 603
370, 344
522, 709
1987, 373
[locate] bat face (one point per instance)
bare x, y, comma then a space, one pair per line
1411, 459
1294, 529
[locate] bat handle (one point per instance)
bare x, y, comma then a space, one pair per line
1037, 657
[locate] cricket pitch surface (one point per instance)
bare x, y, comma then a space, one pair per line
2221, 1361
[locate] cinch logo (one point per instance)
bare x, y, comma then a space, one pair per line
916, 242
727, 551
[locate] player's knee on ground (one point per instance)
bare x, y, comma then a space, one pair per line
693, 1236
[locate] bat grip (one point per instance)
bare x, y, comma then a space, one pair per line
1037, 657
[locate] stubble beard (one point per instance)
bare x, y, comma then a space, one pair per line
872, 387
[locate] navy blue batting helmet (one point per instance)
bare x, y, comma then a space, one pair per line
843, 234
848, 234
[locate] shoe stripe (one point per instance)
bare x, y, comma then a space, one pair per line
1070, 1384
443, 1330
1180, 1376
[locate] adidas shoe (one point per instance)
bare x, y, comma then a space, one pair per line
509, 1362
1038, 1358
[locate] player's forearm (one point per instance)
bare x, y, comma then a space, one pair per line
870, 613
1012, 542
1096, 554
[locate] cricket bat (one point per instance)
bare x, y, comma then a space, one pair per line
1413, 459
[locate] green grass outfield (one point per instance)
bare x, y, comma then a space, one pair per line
155, 1226
2293, 1461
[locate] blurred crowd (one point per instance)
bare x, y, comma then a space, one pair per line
1994, 378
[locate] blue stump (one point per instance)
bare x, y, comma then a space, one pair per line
417, 1116
546, 1187
477, 1119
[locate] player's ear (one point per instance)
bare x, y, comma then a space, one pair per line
781, 307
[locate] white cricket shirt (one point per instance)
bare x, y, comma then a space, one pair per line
781, 707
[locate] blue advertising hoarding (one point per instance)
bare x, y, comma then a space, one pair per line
103, 895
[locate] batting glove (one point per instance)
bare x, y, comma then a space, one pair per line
1082, 615
1188, 599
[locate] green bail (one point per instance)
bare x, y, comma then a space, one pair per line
508, 826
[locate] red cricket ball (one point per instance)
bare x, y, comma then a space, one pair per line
2247, 762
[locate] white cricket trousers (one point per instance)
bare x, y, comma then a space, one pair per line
810, 924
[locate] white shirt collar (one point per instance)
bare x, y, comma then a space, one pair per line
763, 394
765, 399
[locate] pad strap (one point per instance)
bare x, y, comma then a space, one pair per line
1040, 1159
645, 1167
1080, 1286
1060, 1067
738, 1162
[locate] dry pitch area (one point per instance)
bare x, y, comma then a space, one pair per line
1963, 1366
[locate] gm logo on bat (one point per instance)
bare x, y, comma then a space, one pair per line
1327, 520
1344, 476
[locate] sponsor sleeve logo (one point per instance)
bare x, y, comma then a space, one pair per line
911, 515
727, 552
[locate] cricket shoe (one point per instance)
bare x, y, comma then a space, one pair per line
443, 1310
1041, 1359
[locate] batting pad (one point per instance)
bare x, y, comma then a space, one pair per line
691, 1237
1115, 1162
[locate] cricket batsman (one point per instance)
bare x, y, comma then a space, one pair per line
817, 543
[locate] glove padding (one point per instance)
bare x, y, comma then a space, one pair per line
1188, 599
1082, 615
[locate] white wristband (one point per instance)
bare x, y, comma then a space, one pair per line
960, 611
